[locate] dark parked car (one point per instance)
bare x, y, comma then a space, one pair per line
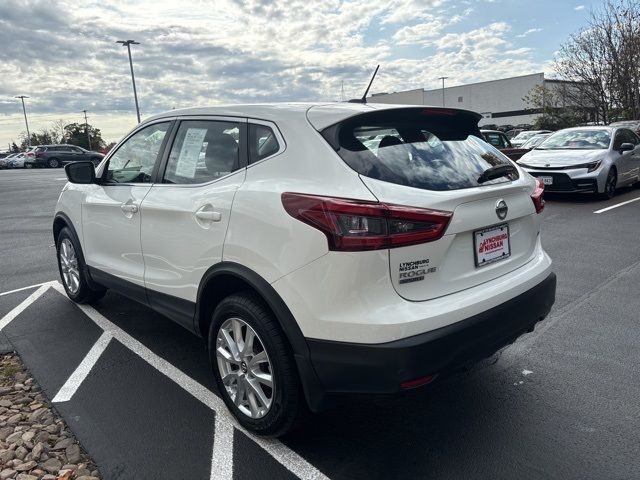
501, 142
54, 156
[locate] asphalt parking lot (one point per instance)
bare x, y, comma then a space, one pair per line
136, 390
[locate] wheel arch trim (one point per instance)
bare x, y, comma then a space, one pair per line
313, 390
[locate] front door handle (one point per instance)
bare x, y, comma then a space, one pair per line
129, 208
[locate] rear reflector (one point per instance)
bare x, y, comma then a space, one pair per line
354, 225
538, 195
417, 382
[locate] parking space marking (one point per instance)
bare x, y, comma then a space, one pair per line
6, 320
225, 422
602, 210
79, 374
23, 288
222, 455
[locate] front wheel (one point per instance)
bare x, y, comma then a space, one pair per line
254, 367
72, 270
53, 163
610, 185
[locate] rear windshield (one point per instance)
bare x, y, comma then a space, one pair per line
417, 150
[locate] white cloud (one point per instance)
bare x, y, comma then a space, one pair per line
419, 33
529, 32
579, 7
63, 54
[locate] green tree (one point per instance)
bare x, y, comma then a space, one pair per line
43, 137
76, 134
14, 148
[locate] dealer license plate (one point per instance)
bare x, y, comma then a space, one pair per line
546, 180
491, 244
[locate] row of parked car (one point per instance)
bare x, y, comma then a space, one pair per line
592, 159
49, 156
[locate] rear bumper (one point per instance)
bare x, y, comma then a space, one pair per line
380, 368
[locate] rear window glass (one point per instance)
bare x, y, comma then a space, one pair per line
432, 153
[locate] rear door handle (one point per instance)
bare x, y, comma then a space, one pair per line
208, 216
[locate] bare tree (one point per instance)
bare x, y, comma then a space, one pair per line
603, 59
58, 131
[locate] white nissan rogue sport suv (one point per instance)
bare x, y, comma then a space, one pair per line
319, 249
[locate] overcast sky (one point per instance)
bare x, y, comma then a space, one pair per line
62, 53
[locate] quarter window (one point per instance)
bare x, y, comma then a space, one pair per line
203, 151
134, 160
263, 142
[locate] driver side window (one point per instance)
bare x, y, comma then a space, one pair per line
133, 162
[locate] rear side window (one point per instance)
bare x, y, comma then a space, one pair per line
496, 140
262, 141
416, 149
203, 151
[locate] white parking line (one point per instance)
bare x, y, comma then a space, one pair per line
225, 423
6, 320
222, 468
79, 374
602, 210
24, 288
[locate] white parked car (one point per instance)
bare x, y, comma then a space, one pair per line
313, 262
522, 137
5, 162
18, 160
586, 159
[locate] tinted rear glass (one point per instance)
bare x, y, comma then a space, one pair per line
417, 149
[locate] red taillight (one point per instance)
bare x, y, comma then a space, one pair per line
29, 154
354, 225
538, 195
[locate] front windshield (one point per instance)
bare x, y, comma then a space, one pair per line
534, 141
525, 135
577, 140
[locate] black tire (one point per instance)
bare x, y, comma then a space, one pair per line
610, 185
287, 406
28, 165
84, 293
53, 163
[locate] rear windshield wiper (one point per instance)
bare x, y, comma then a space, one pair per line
496, 172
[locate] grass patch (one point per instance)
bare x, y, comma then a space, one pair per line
8, 371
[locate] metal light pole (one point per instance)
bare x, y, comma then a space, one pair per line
86, 128
128, 44
24, 110
443, 79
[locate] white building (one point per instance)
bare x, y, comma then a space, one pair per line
499, 101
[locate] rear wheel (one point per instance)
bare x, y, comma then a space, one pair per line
610, 185
254, 367
28, 165
73, 270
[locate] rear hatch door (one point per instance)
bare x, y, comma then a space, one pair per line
433, 159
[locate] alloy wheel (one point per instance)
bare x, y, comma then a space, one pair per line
610, 187
53, 163
69, 266
245, 368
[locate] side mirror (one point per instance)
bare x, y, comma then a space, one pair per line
80, 172
627, 147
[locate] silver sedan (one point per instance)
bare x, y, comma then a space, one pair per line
586, 159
